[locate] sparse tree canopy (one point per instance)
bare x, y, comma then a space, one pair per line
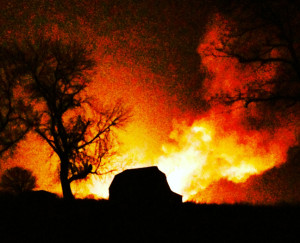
16, 117
264, 35
55, 75
17, 180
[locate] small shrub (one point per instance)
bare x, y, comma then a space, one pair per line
17, 180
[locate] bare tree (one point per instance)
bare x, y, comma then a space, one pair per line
17, 180
260, 34
56, 75
16, 117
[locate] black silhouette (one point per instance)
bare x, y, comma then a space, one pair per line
54, 75
142, 186
56, 220
39, 196
17, 180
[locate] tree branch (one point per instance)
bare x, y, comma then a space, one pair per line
49, 141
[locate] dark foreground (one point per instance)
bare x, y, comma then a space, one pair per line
28, 219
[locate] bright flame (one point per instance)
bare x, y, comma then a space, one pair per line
201, 154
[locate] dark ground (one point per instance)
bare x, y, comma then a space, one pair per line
34, 219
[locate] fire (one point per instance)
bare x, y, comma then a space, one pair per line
218, 147
201, 154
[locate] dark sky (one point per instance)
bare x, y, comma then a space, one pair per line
160, 36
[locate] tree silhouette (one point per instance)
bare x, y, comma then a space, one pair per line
16, 117
17, 180
55, 77
261, 34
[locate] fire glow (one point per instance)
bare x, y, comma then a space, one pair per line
202, 154
195, 153
218, 145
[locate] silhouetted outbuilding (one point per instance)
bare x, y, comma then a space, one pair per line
142, 185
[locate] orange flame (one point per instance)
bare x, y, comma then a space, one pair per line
215, 148
219, 146
201, 154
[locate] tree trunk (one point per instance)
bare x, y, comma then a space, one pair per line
65, 184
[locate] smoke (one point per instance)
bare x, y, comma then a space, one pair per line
233, 152
265, 133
